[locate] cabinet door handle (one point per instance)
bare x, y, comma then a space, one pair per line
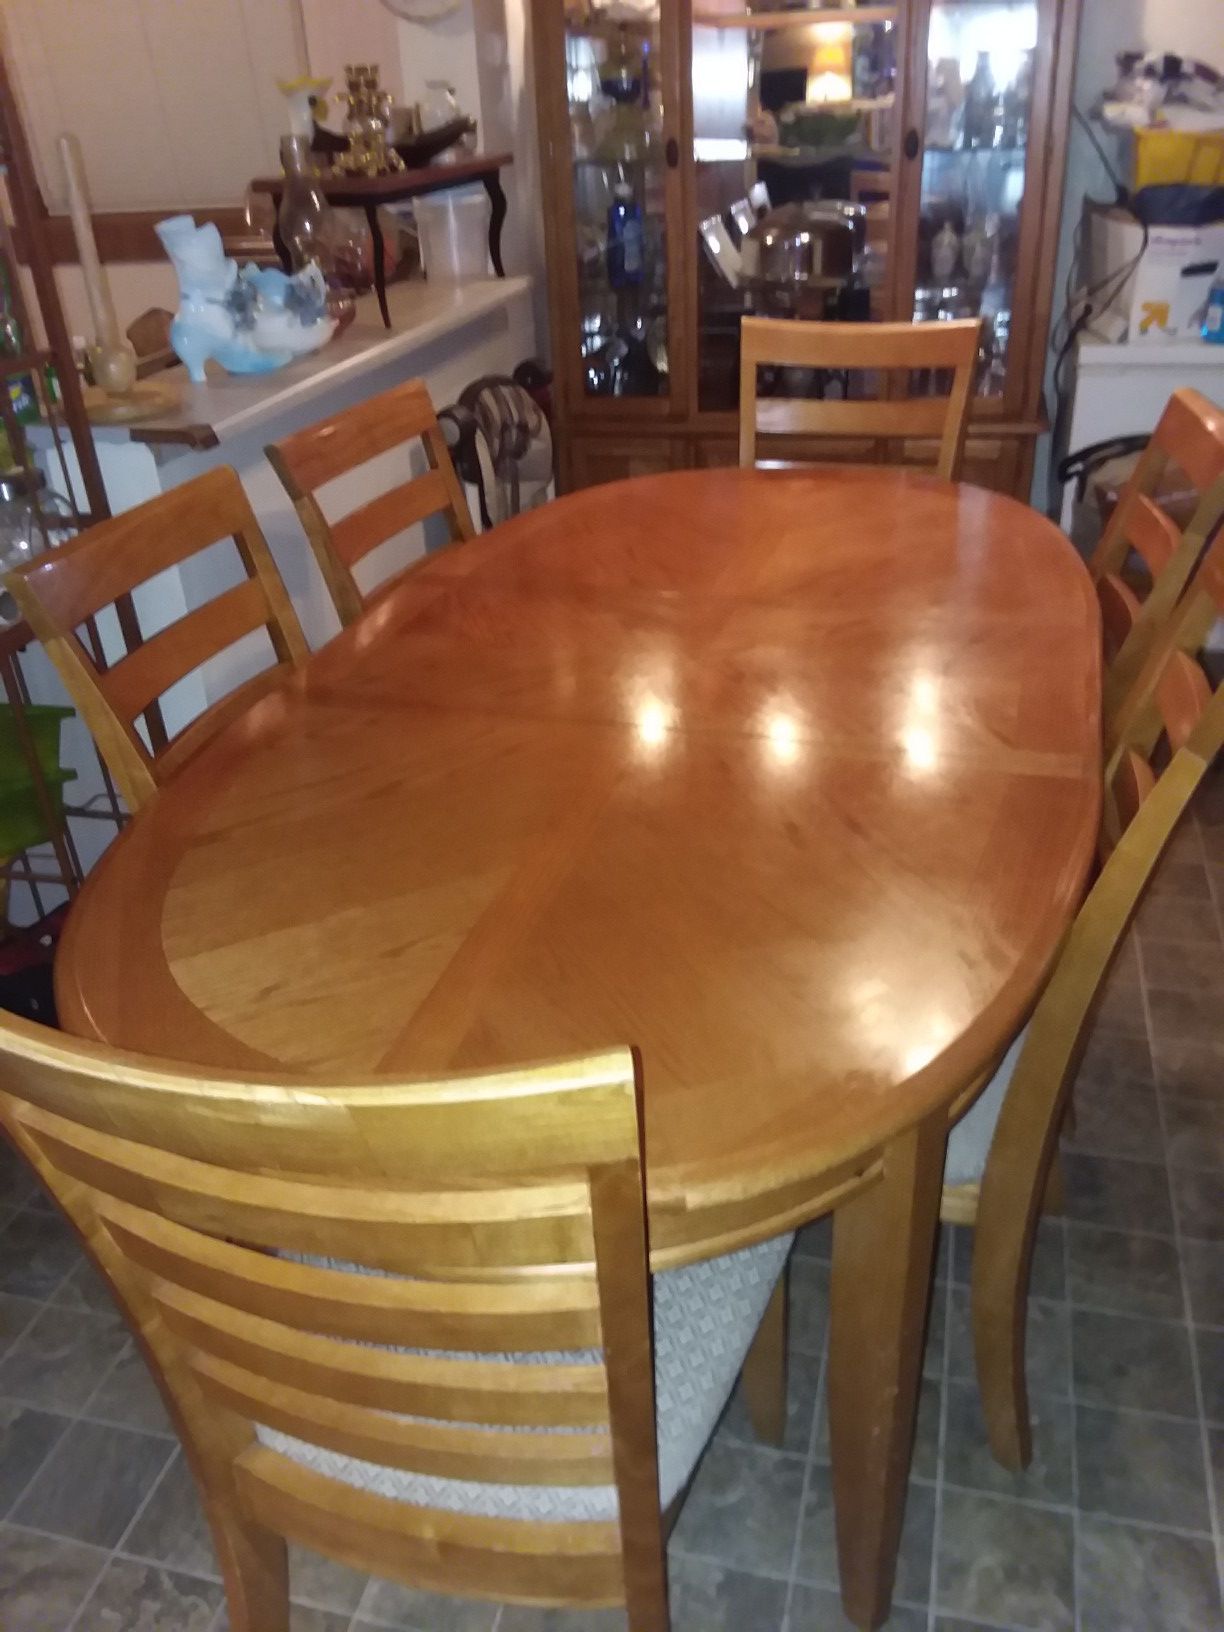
671, 152
911, 145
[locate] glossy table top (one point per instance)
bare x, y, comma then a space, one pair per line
788, 778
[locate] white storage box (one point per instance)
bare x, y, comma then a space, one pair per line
454, 233
1164, 297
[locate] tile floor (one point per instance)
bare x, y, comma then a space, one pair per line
1115, 1527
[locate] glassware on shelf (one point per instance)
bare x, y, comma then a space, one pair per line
945, 99
980, 125
352, 249
1017, 99
873, 65
304, 219
945, 253
33, 519
973, 170
978, 247
619, 186
625, 249
583, 141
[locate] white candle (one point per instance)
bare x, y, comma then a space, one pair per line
97, 290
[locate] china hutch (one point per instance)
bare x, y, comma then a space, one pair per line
696, 158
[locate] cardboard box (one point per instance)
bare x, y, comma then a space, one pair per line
1163, 294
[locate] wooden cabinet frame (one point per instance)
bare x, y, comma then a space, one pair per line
618, 425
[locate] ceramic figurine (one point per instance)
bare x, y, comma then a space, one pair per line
250, 321
290, 312
306, 101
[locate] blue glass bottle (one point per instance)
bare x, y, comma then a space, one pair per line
625, 253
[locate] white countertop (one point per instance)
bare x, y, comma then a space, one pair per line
230, 405
1150, 354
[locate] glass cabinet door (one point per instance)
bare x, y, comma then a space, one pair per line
615, 95
794, 114
979, 112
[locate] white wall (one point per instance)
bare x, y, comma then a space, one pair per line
340, 31
175, 105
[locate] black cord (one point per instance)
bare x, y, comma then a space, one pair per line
1122, 194
1098, 297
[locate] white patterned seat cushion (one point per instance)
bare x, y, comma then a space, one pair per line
970, 1139
705, 1317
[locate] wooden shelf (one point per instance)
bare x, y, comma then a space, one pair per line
796, 19
25, 362
595, 26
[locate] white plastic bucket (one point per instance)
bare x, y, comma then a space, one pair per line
454, 233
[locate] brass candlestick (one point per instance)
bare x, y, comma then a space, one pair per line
369, 115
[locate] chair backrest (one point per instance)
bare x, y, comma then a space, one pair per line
1166, 703
1174, 711
334, 1264
67, 588
1189, 441
310, 458
903, 348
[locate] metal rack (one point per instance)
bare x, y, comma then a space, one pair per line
45, 362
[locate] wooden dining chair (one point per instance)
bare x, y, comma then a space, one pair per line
311, 458
1186, 451
405, 1324
902, 348
1002, 1150
57, 592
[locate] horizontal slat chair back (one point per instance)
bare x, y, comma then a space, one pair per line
887, 348
352, 1267
63, 589
1171, 688
317, 455
1187, 447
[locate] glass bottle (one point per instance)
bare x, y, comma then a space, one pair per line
625, 253
980, 104
304, 219
1015, 108
32, 519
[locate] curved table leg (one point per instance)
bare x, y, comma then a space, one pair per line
497, 215
380, 262
883, 1244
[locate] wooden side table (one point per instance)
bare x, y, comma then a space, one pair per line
368, 193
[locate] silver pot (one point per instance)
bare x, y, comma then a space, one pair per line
806, 243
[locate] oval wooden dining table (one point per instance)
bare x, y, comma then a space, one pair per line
789, 778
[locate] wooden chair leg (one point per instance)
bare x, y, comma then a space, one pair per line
764, 1373
1020, 1178
255, 1568
1054, 1198
883, 1247
1002, 1262
646, 1590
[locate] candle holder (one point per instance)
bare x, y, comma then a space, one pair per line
369, 152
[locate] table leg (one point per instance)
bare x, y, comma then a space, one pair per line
380, 262
497, 215
764, 1371
883, 1244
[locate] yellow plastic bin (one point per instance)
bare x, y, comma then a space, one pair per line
1163, 156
